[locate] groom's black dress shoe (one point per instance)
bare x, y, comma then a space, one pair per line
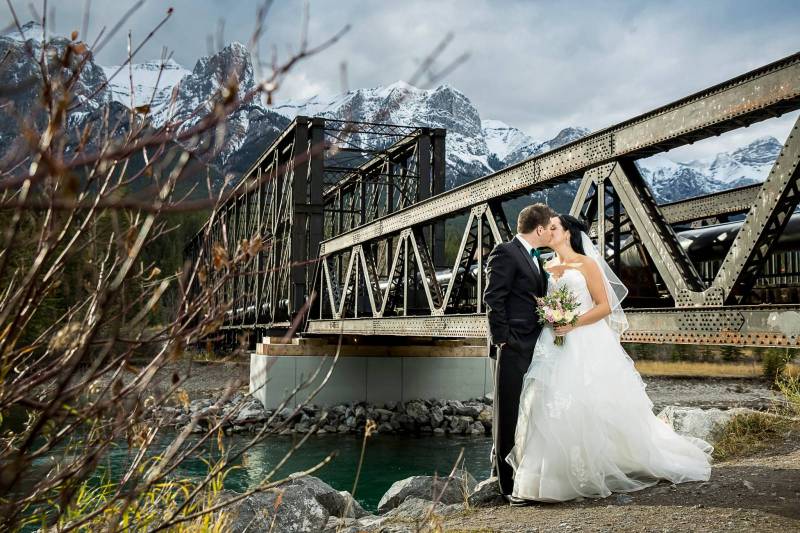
513, 501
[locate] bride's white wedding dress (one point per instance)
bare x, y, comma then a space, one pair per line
586, 426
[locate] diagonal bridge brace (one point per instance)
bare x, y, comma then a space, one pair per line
659, 239
773, 206
766, 220
654, 231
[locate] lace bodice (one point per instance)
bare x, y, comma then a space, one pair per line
576, 283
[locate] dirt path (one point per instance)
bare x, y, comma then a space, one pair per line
757, 493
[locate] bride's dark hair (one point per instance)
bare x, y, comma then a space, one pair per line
575, 227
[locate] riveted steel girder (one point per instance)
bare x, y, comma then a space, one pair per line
730, 325
775, 203
757, 95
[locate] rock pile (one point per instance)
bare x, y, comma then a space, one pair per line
436, 417
308, 504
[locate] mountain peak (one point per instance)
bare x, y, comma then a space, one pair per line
502, 139
211, 71
567, 135
761, 151
31, 30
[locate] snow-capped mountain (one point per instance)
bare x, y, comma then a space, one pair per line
153, 82
400, 103
474, 146
672, 181
31, 31
20, 70
502, 139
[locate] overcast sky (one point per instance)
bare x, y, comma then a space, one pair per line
539, 66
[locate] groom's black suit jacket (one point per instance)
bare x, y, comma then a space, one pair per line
512, 283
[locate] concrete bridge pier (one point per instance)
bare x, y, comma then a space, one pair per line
399, 369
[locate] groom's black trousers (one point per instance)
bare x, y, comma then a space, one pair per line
510, 368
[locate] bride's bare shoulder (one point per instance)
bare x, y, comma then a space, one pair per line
588, 265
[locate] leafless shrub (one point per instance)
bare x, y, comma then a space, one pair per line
76, 370
79, 377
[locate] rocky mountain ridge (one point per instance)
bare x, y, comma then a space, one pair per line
474, 146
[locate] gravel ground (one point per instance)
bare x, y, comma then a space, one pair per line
204, 379
757, 493
710, 392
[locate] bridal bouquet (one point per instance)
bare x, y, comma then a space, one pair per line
558, 309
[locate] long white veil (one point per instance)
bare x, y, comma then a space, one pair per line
615, 290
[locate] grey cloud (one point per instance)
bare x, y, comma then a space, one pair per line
539, 66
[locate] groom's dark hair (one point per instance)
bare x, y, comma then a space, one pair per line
533, 216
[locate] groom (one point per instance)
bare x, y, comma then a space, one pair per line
515, 276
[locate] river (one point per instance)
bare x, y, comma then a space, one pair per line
387, 459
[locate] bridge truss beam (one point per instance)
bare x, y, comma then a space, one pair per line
614, 197
285, 207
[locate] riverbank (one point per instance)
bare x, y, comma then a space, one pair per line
726, 502
207, 380
755, 492
416, 416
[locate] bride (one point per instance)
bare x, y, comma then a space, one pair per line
585, 425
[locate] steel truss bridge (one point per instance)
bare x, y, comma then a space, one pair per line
355, 238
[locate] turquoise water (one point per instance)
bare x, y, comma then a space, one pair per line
387, 459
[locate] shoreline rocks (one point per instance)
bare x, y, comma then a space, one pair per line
417, 417
449, 490
414, 417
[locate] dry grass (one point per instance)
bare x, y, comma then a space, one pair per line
706, 369
698, 369
789, 385
749, 433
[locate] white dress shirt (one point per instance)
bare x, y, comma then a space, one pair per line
528, 247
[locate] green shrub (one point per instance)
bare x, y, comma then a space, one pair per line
790, 388
774, 363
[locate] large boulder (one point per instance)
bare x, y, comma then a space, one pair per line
306, 504
250, 414
486, 494
437, 417
416, 509
452, 490
418, 412
470, 410
706, 424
